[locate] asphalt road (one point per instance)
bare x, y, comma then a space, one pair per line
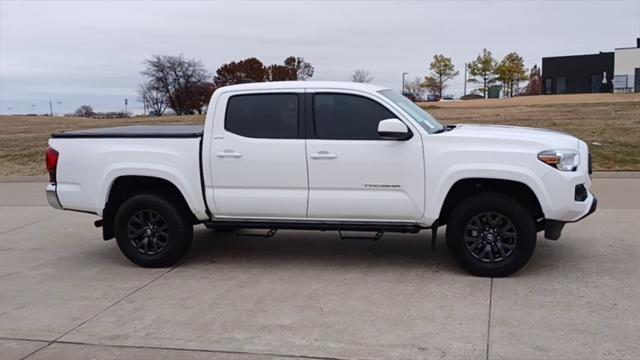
66, 294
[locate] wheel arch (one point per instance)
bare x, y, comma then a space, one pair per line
466, 187
125, 187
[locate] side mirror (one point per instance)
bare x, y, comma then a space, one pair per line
393, 129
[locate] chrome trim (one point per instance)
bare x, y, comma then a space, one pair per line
52, 197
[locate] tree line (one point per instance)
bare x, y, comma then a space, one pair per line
484, 71
185, 86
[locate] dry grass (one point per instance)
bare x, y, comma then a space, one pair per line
613, 121
23, 139
609, 123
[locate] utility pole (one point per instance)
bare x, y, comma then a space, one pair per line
50, 108
465, 78
403, 75
126, 102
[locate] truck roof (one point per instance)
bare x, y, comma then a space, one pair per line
271, 85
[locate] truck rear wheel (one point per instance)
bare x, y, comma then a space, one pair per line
152, 232
491, 235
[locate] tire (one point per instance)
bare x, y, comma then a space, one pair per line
152, 232
491, 235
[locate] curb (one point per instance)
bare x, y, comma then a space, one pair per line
18, 179
616, 175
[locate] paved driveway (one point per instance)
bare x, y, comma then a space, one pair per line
66, 294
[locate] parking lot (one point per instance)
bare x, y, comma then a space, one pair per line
65, 293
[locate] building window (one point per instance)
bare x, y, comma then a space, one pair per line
561, 85
595, 82
548, 86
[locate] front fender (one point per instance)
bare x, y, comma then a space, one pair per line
439, 185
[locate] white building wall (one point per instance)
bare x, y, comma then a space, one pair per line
625, 63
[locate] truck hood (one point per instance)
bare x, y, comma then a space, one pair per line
547, 139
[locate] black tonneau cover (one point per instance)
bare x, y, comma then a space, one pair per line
137, 131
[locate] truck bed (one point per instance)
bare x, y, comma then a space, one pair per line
136, 131
91, 160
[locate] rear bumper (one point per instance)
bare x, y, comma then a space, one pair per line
52, 197
553, 228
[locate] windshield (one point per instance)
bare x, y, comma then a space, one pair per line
422, 117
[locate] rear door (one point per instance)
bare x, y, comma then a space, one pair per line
259, 167
353, 173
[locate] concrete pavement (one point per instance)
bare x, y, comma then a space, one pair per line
66, 294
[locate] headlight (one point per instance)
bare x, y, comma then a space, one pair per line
564, 160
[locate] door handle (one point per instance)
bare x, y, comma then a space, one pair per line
323, 155
228, 154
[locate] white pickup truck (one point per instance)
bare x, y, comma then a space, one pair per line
324, 156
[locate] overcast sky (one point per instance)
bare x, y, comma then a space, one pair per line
92, 52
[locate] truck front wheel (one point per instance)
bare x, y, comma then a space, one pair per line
491, 234
152, 232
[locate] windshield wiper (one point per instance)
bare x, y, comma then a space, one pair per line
445, 129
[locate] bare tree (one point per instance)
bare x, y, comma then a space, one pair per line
84, 111
302, 69
535, 82
414, 90
177, 78
361, 76
294, 68
153, 98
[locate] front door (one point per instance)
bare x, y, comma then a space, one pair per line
353, 173
259, 167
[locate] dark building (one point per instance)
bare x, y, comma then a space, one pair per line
577, 73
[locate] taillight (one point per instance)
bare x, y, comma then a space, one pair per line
51, 159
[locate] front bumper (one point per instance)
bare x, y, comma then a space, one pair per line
553, 228
52, 197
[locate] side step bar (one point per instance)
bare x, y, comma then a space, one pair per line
315, 225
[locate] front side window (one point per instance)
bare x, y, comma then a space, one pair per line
273, 116
422, 117
347, 117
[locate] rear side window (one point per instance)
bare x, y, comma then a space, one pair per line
347, 117
272, 116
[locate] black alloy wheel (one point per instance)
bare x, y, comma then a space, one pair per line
490, 237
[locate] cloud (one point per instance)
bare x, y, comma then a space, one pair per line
93, 51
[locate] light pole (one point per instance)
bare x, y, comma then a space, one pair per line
465, 78
403, 75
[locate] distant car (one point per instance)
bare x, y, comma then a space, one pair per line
448, 97
324, 156
433, 98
